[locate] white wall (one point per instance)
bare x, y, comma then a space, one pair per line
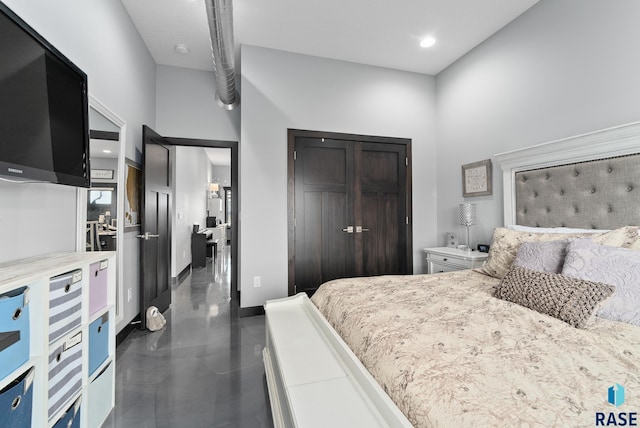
283, 90
186, 106
104, 163
192, 171
98, 37
560, 69
222, 175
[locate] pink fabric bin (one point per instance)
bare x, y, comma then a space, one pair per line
98, 276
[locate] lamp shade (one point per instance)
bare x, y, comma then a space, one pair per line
467, 214
214, 187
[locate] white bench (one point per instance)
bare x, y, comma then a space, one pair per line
314, 379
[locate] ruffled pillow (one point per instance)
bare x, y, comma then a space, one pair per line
542, 256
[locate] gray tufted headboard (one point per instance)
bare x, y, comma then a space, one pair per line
599, 194
586, 181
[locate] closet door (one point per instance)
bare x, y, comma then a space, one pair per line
350, 210
324, 194
383, 215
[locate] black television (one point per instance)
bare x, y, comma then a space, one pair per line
44, 125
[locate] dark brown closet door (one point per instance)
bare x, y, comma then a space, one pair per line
323, 208
349, 210
382, 178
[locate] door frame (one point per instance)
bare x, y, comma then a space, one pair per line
235, 192
292, 134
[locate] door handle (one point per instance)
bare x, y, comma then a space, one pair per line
146, 236
360, 229
348, 229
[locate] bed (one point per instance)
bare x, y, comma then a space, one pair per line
443, 350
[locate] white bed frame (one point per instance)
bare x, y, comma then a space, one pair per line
315, 380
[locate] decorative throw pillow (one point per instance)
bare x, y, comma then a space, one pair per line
542, 256
616, 266
568, 299
505, 244
624, 237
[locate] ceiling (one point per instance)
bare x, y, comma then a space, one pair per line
373, 32
104, 148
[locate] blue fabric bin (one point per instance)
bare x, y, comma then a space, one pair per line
98, 342
14, 330
16, 402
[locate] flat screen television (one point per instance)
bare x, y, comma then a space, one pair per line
44, 125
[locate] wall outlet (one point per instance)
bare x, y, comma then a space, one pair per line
184, 254
129, 294
256, 281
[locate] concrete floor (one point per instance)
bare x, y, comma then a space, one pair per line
204, 369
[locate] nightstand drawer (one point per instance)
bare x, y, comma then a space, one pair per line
446, 259
435, 267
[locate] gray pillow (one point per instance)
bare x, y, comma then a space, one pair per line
616, 266
542, 256
567, 299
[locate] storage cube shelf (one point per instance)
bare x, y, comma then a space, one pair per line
56, 338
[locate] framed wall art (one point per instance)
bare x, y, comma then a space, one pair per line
133, 193
477, 178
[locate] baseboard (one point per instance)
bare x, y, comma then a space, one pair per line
178, 279
126, 331
251, 311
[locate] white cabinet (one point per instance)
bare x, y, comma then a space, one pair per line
447, 259
60, 289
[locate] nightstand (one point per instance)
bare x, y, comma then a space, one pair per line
448, 259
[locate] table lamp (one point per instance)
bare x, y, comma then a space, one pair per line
467, 217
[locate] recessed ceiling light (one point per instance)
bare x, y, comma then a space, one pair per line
182, 49
106, 151
427, 42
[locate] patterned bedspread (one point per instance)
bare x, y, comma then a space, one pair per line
451, 355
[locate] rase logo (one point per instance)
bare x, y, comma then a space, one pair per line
615, 397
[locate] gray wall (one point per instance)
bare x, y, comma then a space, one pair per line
186, 106
98, 37
562, 68
222, 175
104, 163
282, 90
192, 175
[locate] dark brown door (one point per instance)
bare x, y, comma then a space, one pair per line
383, 213
324, 194
155, 234
350, 205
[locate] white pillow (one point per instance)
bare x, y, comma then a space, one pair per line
553, 229
619, 267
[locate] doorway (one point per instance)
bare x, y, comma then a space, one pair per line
349, 207
205, 194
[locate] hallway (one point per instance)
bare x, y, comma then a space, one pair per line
203, 369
